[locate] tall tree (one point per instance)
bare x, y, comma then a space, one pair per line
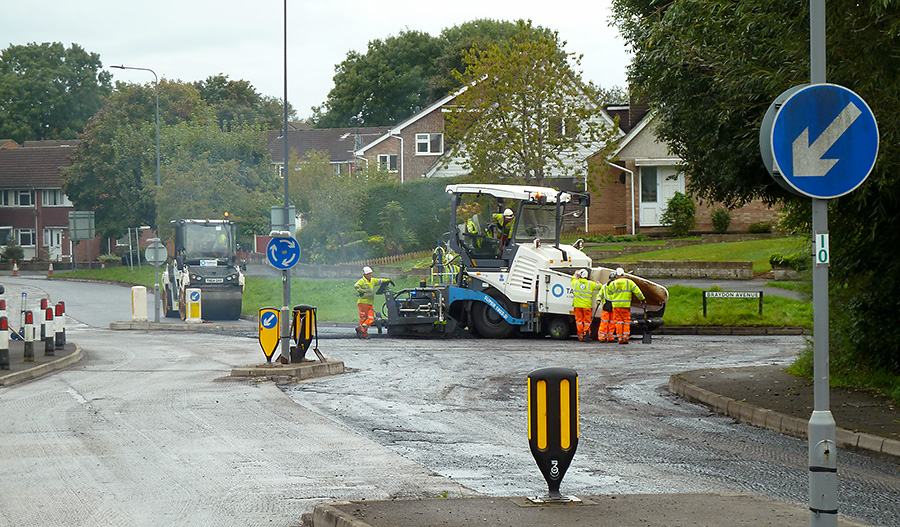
236, 102
526, 114
114, 167
711, 68
384, 85
48, 91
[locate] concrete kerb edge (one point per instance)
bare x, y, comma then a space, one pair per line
327, 515
43, 369
776, 421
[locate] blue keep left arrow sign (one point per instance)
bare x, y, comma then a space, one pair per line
824, 140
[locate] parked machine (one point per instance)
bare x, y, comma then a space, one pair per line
509, 286
204, 258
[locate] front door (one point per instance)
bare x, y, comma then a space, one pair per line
658, 186
53, 237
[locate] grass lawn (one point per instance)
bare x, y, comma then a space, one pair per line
756, 251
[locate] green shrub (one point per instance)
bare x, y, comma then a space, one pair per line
679, 215
798, 260
721, 220
760, 227
12, 252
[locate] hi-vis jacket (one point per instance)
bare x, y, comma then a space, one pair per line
619, 292
367, 288
584, 291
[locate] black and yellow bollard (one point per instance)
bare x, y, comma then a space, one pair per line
553, 428
303, 330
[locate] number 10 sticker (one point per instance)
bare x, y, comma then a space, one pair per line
822, 257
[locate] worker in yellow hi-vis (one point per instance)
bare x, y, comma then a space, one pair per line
365, 291
620, 292
583, 289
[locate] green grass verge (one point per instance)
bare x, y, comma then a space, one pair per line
335, 300
685, 308
755, 251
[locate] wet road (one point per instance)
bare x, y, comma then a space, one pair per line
458, 408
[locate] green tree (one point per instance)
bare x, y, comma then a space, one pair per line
236, 102
710, 70
459, 40
209, 172
383, 86
48, 91
526, 113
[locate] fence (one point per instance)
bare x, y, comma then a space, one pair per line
386, 260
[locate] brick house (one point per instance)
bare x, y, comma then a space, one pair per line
339, 144
34, 211
646, 175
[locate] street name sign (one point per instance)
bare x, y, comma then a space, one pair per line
819, 140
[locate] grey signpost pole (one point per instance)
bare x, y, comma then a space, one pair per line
822, 434
156, 254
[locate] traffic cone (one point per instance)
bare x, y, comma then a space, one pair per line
15, 268
50, 271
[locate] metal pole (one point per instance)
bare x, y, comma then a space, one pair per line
286, 275
823, 502
156, 296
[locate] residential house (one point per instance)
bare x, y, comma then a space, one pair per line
634, 190
339, 144
33, 209
416, 148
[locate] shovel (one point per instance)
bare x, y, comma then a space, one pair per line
647, 337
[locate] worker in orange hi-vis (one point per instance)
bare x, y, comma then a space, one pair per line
620, 292
583, 290
365, 291
606, 332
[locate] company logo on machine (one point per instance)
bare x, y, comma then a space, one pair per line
557, 291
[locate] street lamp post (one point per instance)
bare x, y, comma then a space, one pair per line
156, 84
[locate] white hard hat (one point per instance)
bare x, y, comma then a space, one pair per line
367, 270
620, 271
583, 273
508, 213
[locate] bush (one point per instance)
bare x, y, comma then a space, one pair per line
12, 252
721, 220
679, 215
762, 227
799, 260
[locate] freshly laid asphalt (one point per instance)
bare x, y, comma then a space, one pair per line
763, 396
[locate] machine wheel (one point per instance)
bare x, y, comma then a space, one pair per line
168, 312
488, 323
559, 328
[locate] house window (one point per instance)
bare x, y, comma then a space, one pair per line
429, 144
5, 232
54, 197
24, 198
25, 237
648, 184
563, 127
387, 162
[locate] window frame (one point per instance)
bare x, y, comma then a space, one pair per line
427, 140
389, 162
29, 232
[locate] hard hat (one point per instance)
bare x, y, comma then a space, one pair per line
612, 276
620, 271
583, 273
508, 213
367, 270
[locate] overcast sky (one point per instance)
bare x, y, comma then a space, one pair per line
193, 39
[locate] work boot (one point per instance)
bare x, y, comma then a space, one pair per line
623, 342
359, 332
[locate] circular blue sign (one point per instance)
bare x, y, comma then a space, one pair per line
269, 320
195, 296
824, 141
283, 253
557, 290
